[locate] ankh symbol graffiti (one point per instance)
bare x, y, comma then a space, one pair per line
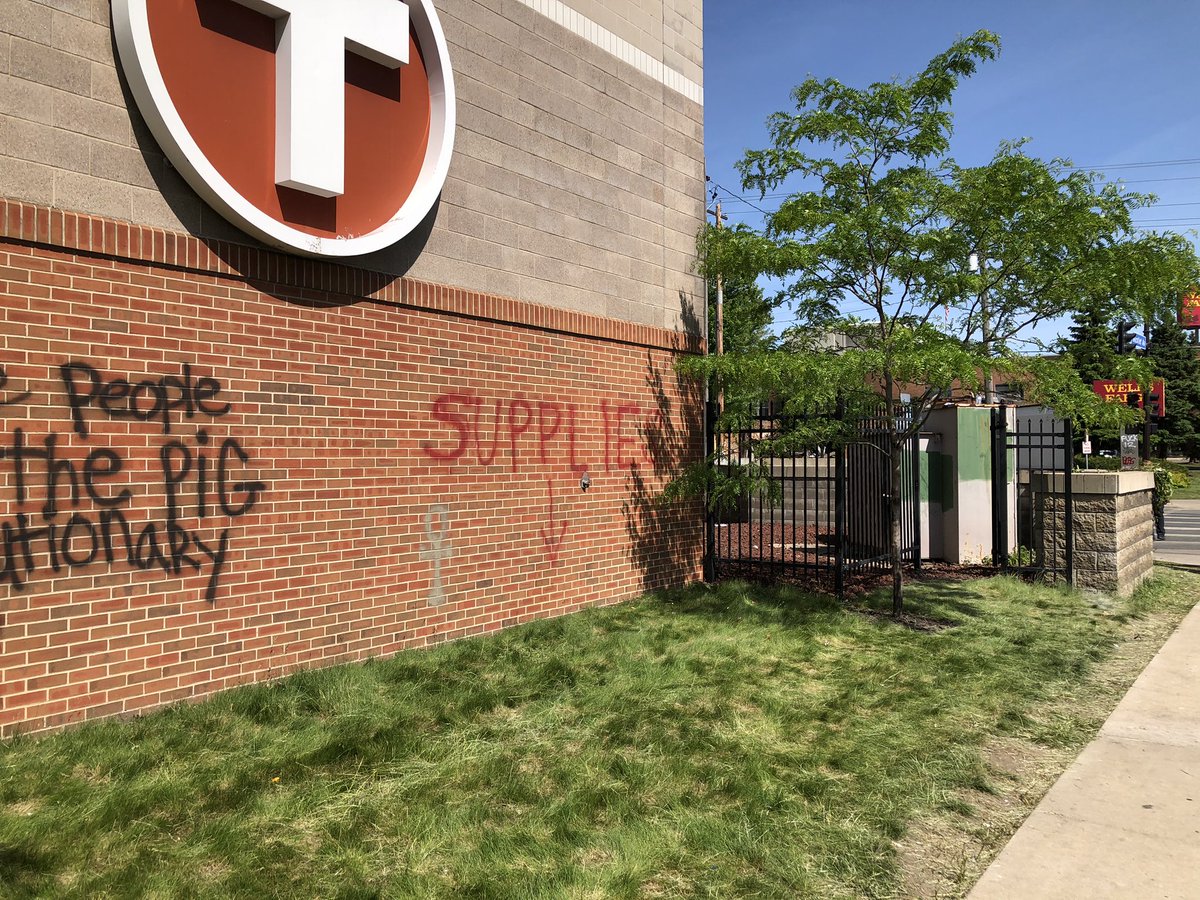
437, 526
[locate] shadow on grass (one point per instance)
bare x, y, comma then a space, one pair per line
20, 869
741, 601
929, 605
954, 597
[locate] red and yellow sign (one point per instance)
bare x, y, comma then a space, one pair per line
1119, 391
1189, 310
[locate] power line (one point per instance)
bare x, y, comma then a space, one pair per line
1147, 180
1139, 165
1158, 163
738, 197
1142, 225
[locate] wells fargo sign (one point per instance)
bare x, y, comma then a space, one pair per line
1119, 392
1189, 310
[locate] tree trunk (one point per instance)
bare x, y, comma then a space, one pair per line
894, 453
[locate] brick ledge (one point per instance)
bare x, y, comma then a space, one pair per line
263, 267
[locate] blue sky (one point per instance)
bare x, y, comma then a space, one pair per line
1105, 83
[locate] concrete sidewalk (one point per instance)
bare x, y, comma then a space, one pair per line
1124, 820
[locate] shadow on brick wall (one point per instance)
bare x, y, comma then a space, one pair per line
317, 284
667, 539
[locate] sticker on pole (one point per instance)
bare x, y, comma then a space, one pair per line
321, 127
1129, 451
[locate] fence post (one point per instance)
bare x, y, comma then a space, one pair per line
1069, 498
839, 508
916, 500
710, 525
1000, 487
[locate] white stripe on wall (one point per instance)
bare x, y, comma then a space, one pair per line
593, 33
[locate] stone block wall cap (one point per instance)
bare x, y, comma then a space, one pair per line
1111, 483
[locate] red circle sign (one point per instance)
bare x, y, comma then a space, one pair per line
320, 127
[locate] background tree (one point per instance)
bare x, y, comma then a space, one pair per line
1091, 349
1173, 359
1092, 343
1141, 283
747, 318
874, 244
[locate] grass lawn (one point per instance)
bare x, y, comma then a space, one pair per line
727, 742
1192, 491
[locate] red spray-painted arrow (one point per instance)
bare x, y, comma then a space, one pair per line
553, 541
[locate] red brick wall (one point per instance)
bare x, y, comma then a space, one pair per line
319, 464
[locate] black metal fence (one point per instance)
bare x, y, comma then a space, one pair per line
1033, 528
822, 511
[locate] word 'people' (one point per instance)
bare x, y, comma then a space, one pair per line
198, 480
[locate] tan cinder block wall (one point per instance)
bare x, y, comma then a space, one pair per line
1113, 527
577, 181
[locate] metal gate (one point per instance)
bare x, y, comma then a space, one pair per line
1033, 529
822, 512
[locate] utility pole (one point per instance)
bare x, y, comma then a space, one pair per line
1149, 389
979, 264
720, 309
720, 293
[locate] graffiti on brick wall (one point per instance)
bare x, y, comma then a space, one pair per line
552, 539
10, 401
198, 479
522, 434
437, 529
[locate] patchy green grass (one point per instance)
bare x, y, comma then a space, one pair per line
1192, 490
732, 742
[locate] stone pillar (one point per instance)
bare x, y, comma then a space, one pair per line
1113, 525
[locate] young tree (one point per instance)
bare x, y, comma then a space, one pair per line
1038, 235
875, 242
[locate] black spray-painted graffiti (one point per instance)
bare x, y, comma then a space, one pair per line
197, 481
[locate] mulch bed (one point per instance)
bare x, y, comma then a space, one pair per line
763, 553
776, 542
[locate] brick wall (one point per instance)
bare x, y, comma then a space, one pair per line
314, 463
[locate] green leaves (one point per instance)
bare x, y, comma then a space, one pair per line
875, 241
909, 273
1055, 382
1174, 360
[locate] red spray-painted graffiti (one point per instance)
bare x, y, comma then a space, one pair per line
547, 434
552, 540
477, 430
